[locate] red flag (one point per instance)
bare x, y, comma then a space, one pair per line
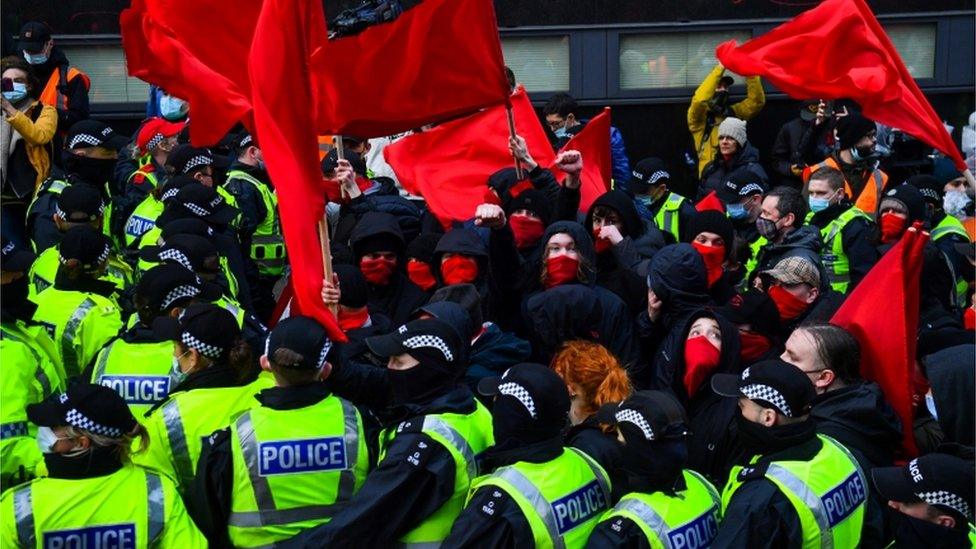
438, 60
839, 50
882, 313
286, 33
593, 142
195, 60
449, 165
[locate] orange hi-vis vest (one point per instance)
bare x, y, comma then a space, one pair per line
867, 201
53, 93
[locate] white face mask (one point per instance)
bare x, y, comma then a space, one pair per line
954, 202
172, 108
176, 374
47, 438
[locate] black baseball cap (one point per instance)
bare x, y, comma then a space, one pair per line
201, 202
754, 308
331, 161
210, 330
86, 245
942, 480
186, 157
186, 225
739, 185
651, 415
772, 384
431, 341
188, 250
92, 133
94, 408
15, 259
163, 286
538, 392
648, 172
173, 185
79, 203
33, 36
303, 335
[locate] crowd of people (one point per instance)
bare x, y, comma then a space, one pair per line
655, 370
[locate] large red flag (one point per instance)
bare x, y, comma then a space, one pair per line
287, 32
438, 60
593, 142
839, 50
882, 313
450, 164
197, 60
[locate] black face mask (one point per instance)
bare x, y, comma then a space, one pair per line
419, 385
758, 439
15, 299
653, 466
95, 171
913, 532
864, 155
719, 103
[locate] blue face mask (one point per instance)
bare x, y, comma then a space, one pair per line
560, 133
736, 211
172, 108
818, 204
35, 58
17, 94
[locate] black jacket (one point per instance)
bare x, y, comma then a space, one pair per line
382, 196
950, 375
856, 240
604, 448
787, 151
802, 242
719, 171
414, 479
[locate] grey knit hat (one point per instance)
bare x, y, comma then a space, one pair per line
734, 128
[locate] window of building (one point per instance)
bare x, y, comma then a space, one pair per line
541, 63
105, 65
915, 43
670, 60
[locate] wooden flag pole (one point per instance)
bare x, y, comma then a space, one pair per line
326, 256
511, 133
340, 155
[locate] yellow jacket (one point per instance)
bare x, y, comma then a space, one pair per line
698, 112
37, 135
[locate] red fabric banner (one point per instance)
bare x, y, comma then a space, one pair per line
450, 164
882, 313
839, 50
593, 143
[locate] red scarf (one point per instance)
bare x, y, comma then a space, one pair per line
350, 320
969, 318
420, 274
561, 269
459, 269
527, 230
753, 346
892, 226
701, 357
377, 271
788, 305
713, 256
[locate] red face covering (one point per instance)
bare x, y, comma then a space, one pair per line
714, 256
600, 244
561, 269
420, 274
892, 226
753, 346
969, 318
459, 269
701, 357
350, 320
377, 271
527, 230
788, 305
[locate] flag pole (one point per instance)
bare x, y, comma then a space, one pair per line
326, 256
511, 133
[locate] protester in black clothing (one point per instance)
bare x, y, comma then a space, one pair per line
791, 141
712, 235
760, 332
49, 63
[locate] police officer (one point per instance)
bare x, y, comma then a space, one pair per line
138, 363
212, 381
800, 489
79, 311
155, 139
313, 454
946, 232
848, 251
198, 164
31, 370
655, 202
931, 499
93, 495
427, 460
668, 505
146, 215
91, 150
250, 185
540, 493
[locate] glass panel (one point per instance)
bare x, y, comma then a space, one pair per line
916, 45
105, 65
670, 60
541, 63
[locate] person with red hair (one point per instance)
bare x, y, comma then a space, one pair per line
594, 377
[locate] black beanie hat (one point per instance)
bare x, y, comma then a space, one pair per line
910, 197
851, 128
534, 201
929, 186
422, 247
713, 222
352, 286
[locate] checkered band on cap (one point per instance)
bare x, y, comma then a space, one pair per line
660, 174
750, 188
205, 349
325, 351
246, 141
198, 160
520, 394
156, 139
179, 292
929, 193
170, 193
84, 138
426, 340
87, 266
758, 391
196, 209
177, 256
78, 419
947, 499
745, 373
634, 417
402, 329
